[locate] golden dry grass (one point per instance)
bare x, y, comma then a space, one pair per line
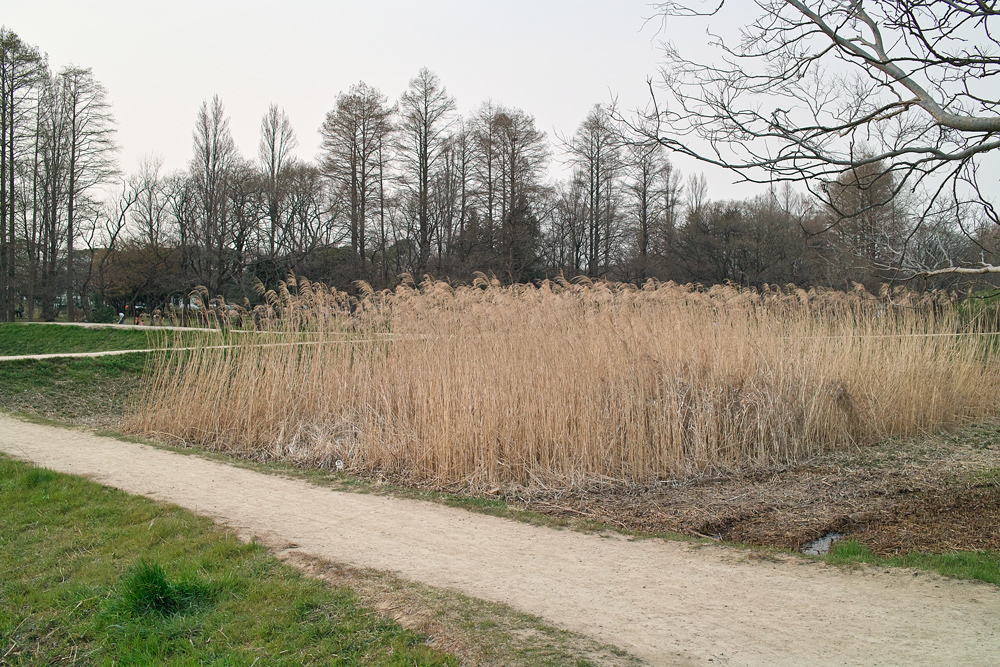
565, 384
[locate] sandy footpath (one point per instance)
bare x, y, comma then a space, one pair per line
665, 602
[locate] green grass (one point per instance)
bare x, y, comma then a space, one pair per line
72, 390
986, 478
147, 590
979, 565
982, 309
93, 575
18, 339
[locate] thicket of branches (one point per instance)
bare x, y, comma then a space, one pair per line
896, 99
407, 186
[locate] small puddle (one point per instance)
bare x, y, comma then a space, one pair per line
822, 545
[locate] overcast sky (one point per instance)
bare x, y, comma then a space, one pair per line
159, 60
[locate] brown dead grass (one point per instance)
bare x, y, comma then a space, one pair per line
564, 386
932, 494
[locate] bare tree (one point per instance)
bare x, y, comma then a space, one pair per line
277, 141
567, 232
51, 184
452, 198
595, 150
813, 88
149, 214
91, 153
523, 154
215, 159
353, 136
102, 235
653, 186
427, 114
486, 172
870, 225
21, 67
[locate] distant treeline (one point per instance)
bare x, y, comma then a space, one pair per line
400, 186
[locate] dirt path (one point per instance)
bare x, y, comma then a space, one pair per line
666, 602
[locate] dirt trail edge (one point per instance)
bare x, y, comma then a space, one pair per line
666, 602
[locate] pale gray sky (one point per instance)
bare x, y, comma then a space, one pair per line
159, 60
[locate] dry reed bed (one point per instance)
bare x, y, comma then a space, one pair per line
563, 384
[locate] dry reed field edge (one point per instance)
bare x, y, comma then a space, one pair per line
451, 400
580, 384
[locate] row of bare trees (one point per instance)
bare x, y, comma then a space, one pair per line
404, 186
57, 149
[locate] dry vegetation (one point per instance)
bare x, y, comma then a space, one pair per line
562, 385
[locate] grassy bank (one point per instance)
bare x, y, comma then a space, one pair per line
94, 575
93, 391
18, 339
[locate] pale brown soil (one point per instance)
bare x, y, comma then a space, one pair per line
666, 602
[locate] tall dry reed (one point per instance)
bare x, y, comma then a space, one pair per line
566, 384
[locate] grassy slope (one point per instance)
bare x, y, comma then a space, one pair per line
52, 338
93, 391
92, 574
981, 565
17, 339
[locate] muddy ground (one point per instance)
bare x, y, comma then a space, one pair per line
932, 494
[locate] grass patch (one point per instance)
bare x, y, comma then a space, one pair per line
72, 390
17, 338
979, 565
91, 574
986, 479
148, 590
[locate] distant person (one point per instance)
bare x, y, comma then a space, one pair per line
20, 311
121, 318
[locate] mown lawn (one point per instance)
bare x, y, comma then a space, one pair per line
91, 575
